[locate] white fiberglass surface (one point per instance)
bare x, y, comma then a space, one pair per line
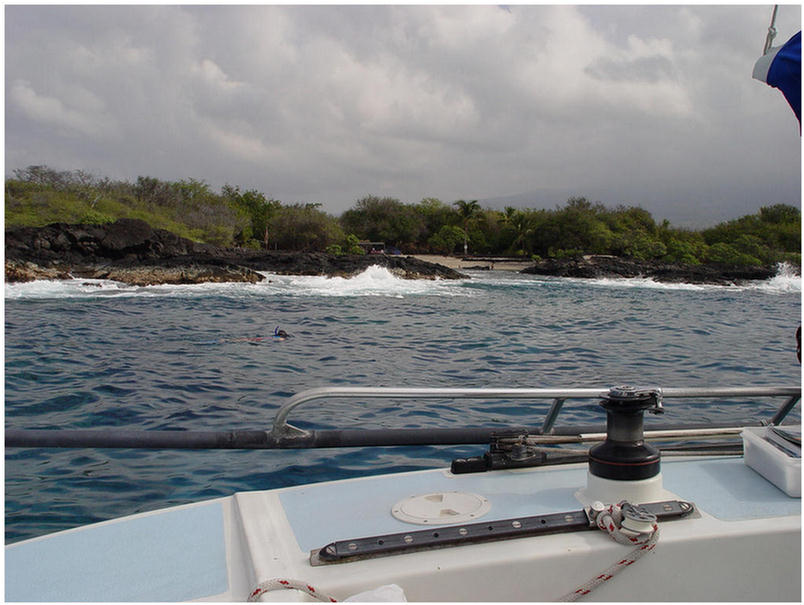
173, 555
321, 513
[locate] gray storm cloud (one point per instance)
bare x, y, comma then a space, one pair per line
653, 106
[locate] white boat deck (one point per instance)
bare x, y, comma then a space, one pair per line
220, 549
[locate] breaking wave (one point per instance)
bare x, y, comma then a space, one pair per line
785, 280
374, 281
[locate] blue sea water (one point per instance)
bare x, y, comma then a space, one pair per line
95, 354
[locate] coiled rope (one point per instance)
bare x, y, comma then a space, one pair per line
279, 583
640, 529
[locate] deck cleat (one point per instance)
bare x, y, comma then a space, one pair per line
637, 518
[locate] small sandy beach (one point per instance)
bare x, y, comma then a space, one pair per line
459, 264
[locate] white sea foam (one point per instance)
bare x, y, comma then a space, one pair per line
786, 280
100, 288
529, 281
374, 281
645, 282
62, 288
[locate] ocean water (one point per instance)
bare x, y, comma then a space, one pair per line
95, 354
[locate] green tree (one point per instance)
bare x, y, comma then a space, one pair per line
768, 236
304, 227
520, 226
467, 212
433, 215
38, 195
349, 245
383, 219
154, 192
639, 245
44, 176
779, 214
579, 226
190, 191
722, 252
682, 245
352, 245
447, 238
259, 210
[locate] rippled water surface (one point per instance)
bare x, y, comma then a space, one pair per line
91, 354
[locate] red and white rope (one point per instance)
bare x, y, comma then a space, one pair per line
610, 520
280, 583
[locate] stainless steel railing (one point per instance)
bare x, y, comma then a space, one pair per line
283, 435
282, 430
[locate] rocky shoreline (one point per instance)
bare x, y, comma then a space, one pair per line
130, 251
611, 266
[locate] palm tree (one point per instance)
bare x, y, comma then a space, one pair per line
467, 211
521, 224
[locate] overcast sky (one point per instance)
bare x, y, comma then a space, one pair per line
639, 105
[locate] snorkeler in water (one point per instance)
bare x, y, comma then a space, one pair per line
278, 334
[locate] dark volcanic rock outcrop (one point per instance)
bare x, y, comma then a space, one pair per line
173, 270
20, 271
125, 239
612, 266
130, 251
319, 263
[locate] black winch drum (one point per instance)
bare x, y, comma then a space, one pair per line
624, 455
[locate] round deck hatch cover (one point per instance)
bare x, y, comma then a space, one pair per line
441, 508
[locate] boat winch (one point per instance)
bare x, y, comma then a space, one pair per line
624, 466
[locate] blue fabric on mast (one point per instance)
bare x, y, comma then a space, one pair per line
785, 73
